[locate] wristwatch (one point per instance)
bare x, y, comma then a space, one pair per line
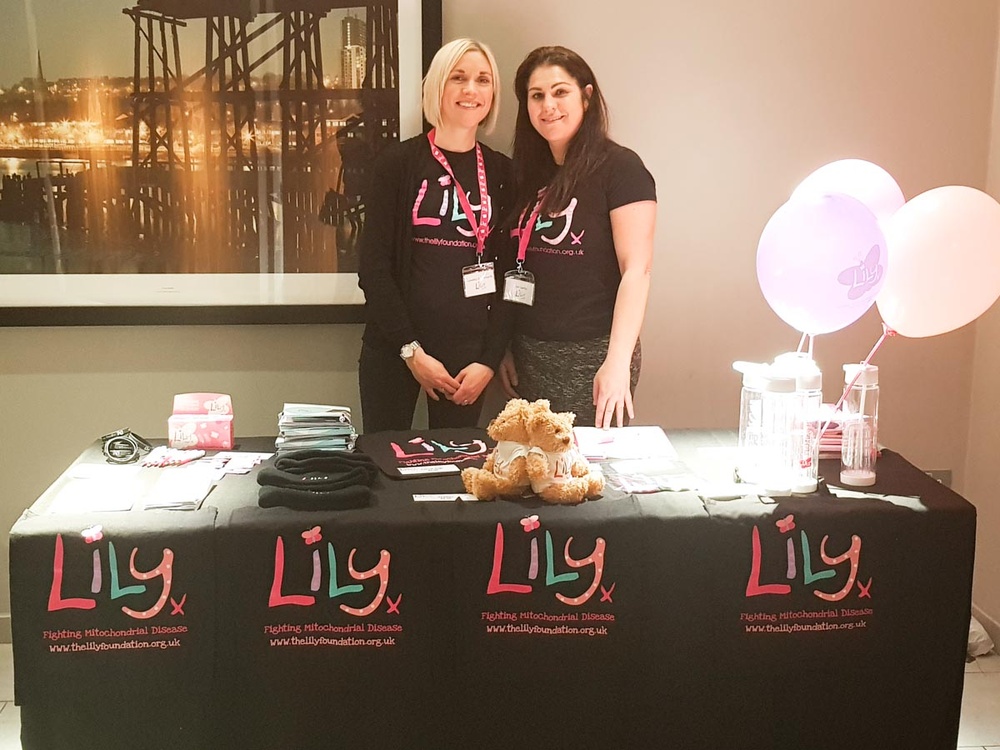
408, 350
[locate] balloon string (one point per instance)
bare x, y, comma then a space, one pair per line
806, 337
886, 333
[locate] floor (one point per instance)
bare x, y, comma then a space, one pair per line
980, 726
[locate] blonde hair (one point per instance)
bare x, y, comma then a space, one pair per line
440, 68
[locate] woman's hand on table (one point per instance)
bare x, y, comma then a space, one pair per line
612, 394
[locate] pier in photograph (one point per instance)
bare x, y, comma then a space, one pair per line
252, 159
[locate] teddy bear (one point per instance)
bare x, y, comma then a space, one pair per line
505, 471
535, 452
558, 472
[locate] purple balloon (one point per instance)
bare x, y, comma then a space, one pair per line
821, 261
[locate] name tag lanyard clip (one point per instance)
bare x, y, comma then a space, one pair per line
518, 284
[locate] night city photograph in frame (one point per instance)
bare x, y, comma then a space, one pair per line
196, 153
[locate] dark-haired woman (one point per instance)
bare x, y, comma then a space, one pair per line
425, 263
584, 246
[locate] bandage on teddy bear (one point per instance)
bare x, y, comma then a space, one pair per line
536, 453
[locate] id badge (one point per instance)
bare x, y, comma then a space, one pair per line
478, 279
519, 286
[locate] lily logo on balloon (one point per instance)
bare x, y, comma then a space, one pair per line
863, 277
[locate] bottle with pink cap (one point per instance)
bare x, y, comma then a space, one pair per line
859, 420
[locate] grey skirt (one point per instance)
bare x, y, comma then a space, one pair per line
563, 372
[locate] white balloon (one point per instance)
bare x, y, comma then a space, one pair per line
860, 179
944, 269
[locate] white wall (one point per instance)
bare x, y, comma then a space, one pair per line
730, 104
984, 428
61, 388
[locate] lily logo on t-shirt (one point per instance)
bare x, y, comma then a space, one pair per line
567, 214
449, 208
553, 230
436, 452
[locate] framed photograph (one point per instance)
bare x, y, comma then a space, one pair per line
188, 162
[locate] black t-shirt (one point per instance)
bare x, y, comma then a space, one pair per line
572, 254
443, 244
385, 270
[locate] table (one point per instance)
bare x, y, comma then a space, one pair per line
641, 621
113, 621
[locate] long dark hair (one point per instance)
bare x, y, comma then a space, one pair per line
534, 167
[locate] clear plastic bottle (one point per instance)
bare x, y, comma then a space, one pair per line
807, 421
750, 444
779, 409
859, 418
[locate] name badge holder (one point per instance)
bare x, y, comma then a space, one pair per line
518, 284
478, 279
519, 287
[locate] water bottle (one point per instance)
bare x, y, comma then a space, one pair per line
859, 419
807, 419
778, 410
750, 443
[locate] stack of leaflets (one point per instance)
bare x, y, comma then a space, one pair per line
180, 488
310, 426
598, 444
636, 458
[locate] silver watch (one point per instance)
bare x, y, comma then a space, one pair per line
408, 350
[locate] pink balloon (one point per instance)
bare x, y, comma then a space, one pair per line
945, 269
820, 262
860, 179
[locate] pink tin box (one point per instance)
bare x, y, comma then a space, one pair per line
201, 420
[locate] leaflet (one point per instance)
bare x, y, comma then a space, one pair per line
598, 444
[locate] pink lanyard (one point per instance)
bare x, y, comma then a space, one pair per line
524, 234
482, 229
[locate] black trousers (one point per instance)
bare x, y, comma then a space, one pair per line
389, 395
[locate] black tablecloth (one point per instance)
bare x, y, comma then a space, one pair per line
114, 624
641, 621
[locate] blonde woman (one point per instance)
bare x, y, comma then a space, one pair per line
426, 262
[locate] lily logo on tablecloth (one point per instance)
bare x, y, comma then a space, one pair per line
595, 560
314, 537
850, 559
92, 536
